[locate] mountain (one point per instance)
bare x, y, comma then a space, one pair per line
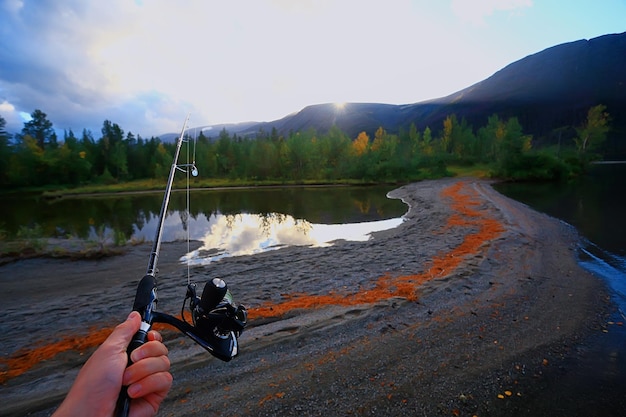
212, 131
546, 91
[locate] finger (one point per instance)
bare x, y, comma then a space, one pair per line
144, 368
159, 383
149, 349
154, 335
148, 405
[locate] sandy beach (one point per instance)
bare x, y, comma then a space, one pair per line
474, 306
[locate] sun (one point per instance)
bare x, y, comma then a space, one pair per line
340, 106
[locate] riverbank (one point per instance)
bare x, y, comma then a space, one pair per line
475, 305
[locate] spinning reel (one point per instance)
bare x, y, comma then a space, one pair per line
216, 321
216, 316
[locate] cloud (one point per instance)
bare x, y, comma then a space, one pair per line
11, 117
5, 106
132, 63
46, 62
145, 65
475, 11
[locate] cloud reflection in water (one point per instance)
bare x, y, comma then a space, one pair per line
247, 234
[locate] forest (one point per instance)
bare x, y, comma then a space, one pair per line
36, 157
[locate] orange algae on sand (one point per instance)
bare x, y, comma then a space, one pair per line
481, 228
26, 358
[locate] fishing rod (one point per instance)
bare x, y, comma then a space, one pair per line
216, 321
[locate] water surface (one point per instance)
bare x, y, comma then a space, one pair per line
596, 206
229, 222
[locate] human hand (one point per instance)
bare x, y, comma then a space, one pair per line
99, 382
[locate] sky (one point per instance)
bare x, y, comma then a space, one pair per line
146, 64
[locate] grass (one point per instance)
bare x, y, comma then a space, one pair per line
475, 170
15, 250
159, 185
130, 186
30, 242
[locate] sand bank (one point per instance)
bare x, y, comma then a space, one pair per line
474, 297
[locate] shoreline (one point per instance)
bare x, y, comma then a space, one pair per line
59, 194
445, 313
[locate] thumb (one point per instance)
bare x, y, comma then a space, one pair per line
123, 332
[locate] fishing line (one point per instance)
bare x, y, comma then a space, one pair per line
195, 142
187, 209
191, 170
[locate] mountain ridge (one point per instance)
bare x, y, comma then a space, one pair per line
546, 91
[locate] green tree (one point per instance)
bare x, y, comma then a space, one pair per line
594, 131
263, 159
225, 155
5, 153
91, 153
206, 161
512, 150
426, 145
457, 138
119, 160
383, 153
66, 163
334, 148
283, 158
446, 137
161, 161
27, 165
300, 152
40, 128
414, 140
137, 160
491, 138
114, 150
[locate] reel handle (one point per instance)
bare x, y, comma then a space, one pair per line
214, 292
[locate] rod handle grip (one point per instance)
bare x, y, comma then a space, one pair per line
123, 400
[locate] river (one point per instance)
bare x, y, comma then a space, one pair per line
595, 383
596, 206
229, 222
